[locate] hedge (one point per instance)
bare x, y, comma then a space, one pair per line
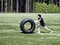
44, 8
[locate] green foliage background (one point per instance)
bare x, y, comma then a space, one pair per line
44, 8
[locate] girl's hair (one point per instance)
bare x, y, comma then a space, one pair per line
39, 15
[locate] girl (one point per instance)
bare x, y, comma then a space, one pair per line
42, 23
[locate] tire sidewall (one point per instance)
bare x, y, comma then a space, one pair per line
32, 25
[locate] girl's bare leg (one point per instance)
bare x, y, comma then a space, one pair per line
48, 29
38, 29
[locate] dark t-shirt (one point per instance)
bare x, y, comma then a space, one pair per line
42, 23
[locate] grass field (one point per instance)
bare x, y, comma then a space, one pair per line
10, 33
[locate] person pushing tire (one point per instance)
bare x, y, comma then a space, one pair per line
42, 23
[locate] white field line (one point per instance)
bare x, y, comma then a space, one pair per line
28, 13
9, 24
9, 31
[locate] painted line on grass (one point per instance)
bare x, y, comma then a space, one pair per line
8, 31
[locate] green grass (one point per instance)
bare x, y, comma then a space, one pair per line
10, 33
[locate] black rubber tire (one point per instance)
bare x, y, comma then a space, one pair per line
24, 22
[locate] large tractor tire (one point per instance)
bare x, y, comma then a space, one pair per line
32, 27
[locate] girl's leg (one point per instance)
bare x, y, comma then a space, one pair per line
48, 29
38, 29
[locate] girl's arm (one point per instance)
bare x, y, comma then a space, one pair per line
39, 20
36, 21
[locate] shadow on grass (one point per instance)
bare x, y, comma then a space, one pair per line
33, 32
27, 33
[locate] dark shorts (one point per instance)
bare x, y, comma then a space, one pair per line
42, 24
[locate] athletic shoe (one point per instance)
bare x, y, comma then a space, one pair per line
38, 32
51, 32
